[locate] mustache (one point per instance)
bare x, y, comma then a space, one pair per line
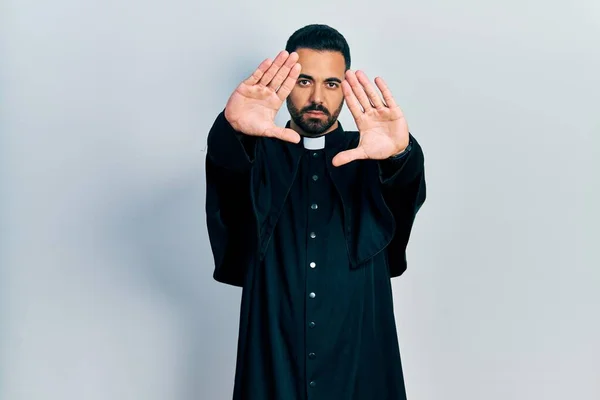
316, 107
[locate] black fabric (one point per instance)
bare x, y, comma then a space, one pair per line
272, 213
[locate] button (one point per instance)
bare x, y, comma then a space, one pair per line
312, 356
315, 178
313, 265
313, 235
315, 154
313, 383
312, 295
311, 324
314, 206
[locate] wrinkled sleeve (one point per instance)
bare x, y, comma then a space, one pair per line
403, 187
228, 148
229, 213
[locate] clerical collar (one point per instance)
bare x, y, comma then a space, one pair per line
332, 140
316, 143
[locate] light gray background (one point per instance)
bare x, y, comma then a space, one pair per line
105, 287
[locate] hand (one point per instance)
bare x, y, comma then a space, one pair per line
381, 124
252, 107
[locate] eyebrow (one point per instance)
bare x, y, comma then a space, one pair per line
304, 76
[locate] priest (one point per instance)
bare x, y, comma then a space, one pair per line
312, 221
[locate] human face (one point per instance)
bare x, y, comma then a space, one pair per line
317, 99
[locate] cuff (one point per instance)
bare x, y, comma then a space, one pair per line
390, 166
228, 147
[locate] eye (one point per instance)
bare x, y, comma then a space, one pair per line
303, 82
332, 85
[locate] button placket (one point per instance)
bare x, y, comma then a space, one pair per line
313, 257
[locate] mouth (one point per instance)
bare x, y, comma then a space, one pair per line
314, 113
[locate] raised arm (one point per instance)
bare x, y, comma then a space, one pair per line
249, 115
384, 137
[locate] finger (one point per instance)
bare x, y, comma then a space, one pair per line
351, 100
277, 63
358, 90
385, 91
284, 71
289, 83
286, 134
259, 72
369, 89
346, 156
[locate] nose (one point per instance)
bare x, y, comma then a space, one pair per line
317, 96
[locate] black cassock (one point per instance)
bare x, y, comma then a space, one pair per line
314, 247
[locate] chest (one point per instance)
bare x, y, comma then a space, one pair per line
306, 183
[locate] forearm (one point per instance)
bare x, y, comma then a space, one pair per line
404, 168
228, 148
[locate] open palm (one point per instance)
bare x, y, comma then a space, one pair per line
381, 123
252, 107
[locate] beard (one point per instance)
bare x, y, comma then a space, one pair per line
313, 126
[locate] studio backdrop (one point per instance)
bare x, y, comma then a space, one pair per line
106, 288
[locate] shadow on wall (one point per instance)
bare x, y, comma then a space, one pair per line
166, 234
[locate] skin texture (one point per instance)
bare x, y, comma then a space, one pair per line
319, 87
252, 107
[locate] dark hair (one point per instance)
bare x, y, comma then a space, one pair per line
319, 37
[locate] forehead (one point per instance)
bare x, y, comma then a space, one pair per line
322, 64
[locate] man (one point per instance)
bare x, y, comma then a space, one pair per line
312, 222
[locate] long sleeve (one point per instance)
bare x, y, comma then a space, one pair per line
402, 167
404, 191
229, 213
228, 148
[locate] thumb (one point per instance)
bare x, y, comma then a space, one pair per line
346, 156
285, 134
